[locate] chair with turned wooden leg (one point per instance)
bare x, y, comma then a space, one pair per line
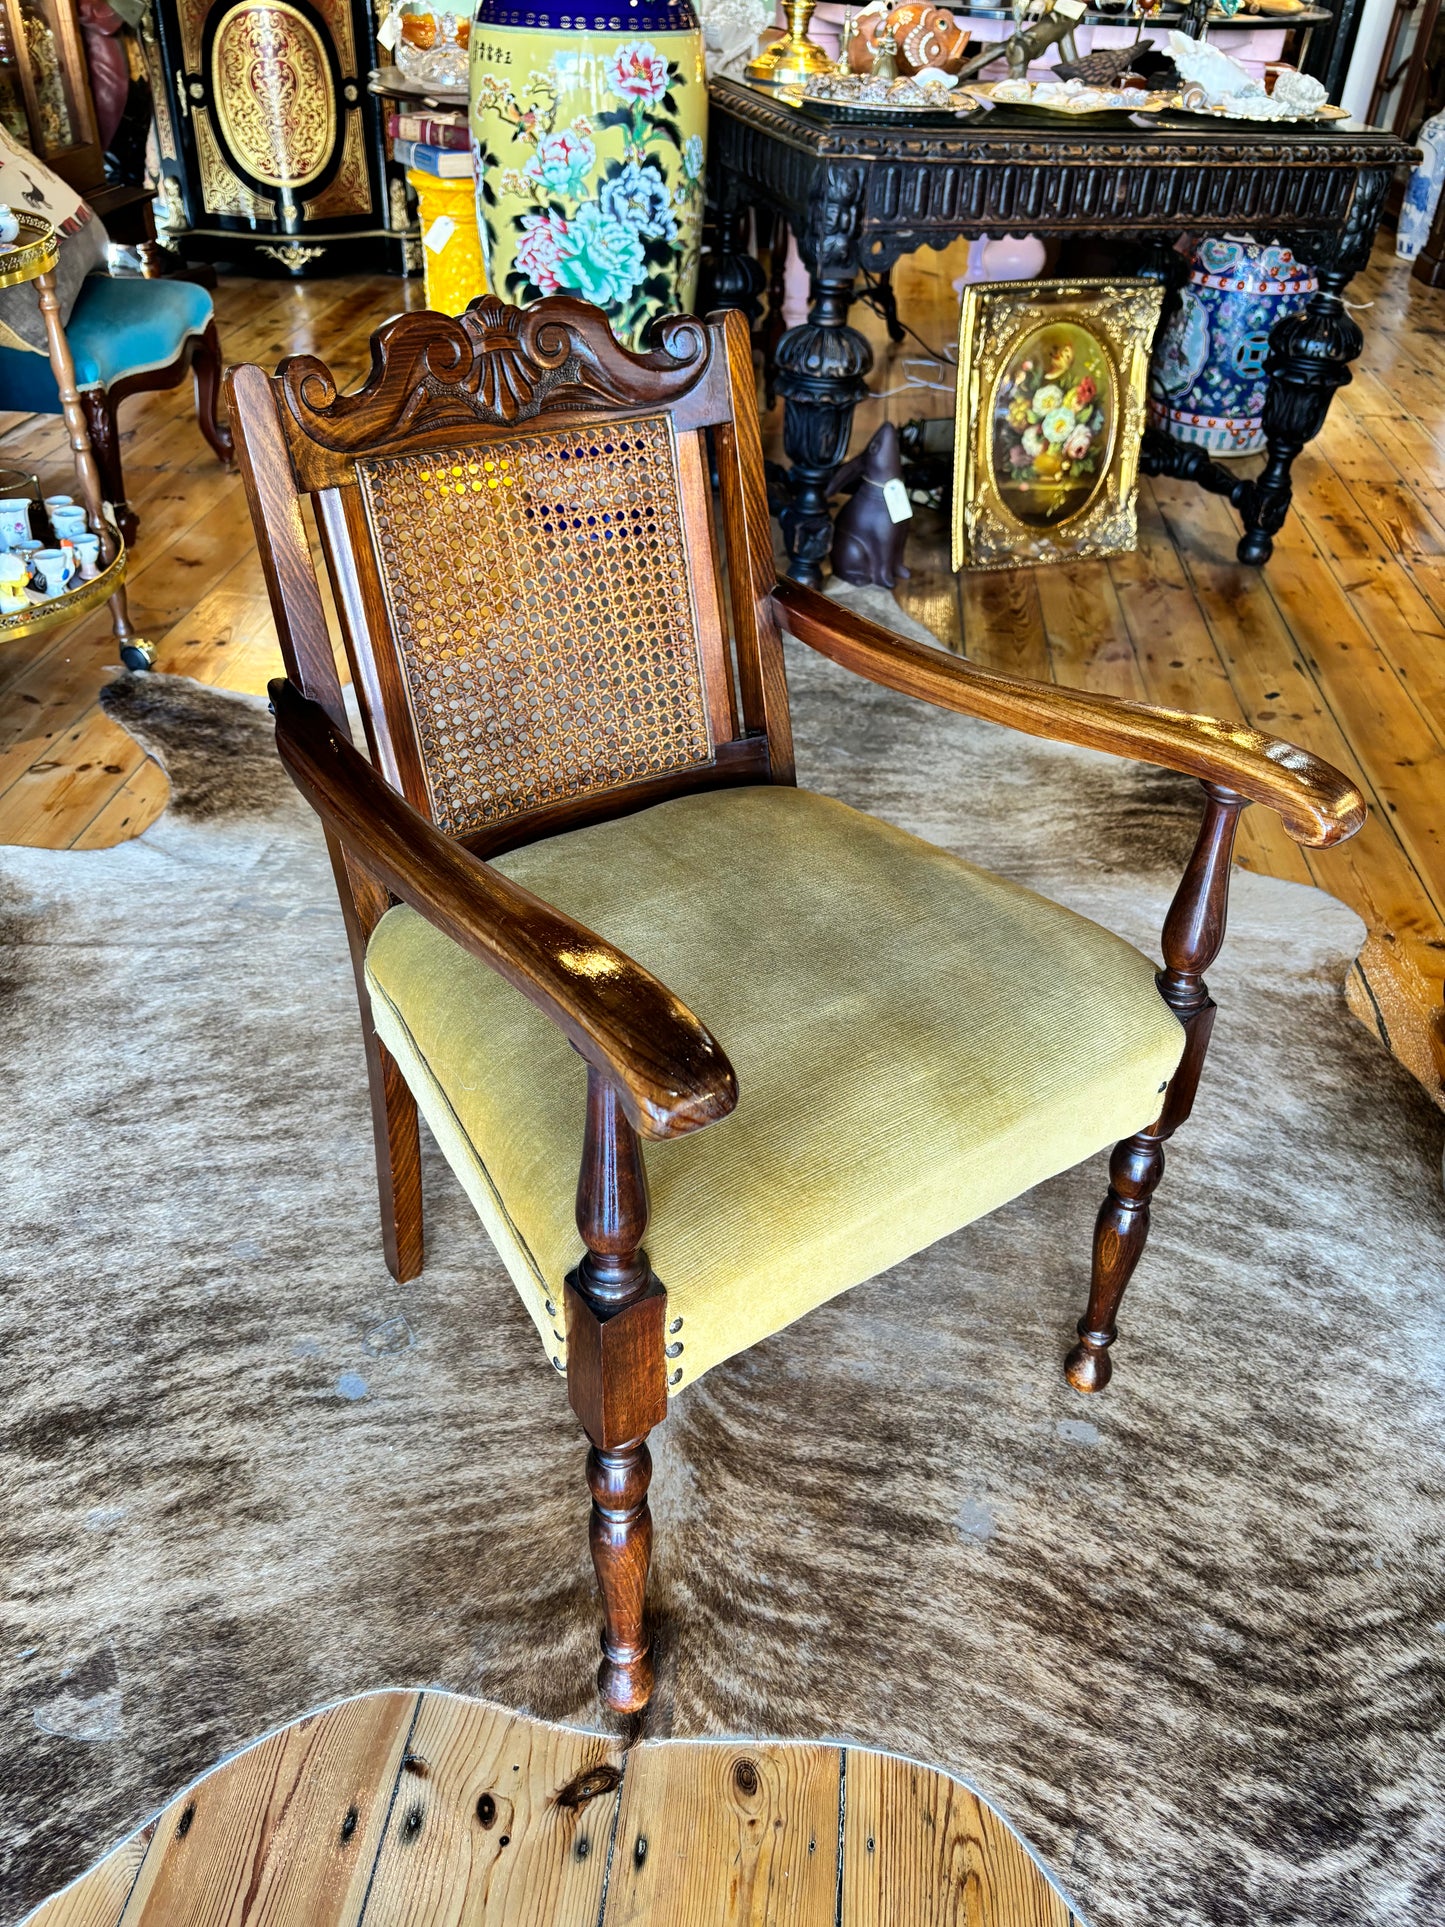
1193, 934
128, 337
703, 1048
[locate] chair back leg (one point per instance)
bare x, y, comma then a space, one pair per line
105, 440
206, 370
394, 1127
398, 1160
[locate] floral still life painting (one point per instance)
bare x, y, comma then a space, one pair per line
590, 170
1053, 423
1051, 395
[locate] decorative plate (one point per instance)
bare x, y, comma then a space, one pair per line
1325, 112
1093, 100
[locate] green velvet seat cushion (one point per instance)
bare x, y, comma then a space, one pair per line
121, 326
916, 1041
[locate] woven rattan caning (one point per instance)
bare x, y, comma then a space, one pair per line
538, 590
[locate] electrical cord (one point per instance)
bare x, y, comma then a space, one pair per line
875, 289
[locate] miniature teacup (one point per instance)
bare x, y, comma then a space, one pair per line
69, 521
15, 519
14, 577
9, 226
87, 554
59, 502
55, 568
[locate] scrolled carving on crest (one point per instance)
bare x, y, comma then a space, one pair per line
495, 365
564, 332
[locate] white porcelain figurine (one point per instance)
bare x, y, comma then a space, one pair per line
14, 575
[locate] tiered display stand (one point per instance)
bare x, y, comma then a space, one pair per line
33, 257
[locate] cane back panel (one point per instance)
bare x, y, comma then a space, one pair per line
539, 597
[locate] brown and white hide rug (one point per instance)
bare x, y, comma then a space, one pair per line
1188, 1636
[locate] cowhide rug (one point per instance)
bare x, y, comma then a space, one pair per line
1189, 1636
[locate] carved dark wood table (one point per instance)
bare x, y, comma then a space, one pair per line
858, 196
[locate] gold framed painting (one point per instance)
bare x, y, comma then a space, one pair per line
1052, 382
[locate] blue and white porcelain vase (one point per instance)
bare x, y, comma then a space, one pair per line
1422, 193
1207, 382
589, 123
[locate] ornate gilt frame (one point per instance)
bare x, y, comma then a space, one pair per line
996, 318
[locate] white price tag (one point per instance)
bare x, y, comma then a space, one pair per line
439, 233
895, 500
389, 32
1070, 9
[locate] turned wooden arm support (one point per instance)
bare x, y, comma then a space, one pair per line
1316, 804
669, 1073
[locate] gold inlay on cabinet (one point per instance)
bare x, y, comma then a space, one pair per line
271, 86
350, 192
223, 192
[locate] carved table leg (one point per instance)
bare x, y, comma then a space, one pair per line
774, 326
732, 275
1309, 358
617, 1384
1193, 933
821, 370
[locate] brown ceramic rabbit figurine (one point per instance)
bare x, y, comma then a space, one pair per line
867, 542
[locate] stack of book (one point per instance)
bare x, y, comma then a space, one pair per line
436, 143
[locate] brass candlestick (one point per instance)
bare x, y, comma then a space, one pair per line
793, 60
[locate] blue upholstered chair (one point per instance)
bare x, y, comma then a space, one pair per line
127, 336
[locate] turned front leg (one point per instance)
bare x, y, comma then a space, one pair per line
621, 1536
1193, 935
1119, 1234
617, 1384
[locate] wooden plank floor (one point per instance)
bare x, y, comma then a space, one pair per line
1339, 642
405, 1809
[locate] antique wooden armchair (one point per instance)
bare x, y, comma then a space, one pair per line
579, 826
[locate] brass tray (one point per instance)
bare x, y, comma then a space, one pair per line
35, 253
943, 114
70, 607
1324, 114
1142, 103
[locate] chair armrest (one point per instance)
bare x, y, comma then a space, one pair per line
671, 1075
1316, 804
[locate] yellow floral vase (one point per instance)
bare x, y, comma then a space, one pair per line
590, 145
